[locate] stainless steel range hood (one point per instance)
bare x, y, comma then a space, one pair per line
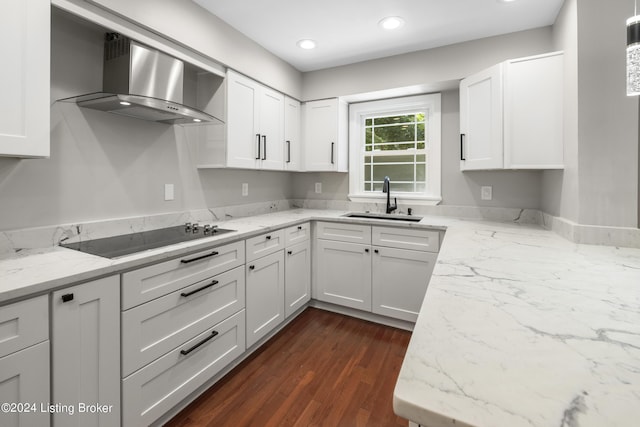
143, 83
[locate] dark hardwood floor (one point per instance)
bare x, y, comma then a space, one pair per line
323, 369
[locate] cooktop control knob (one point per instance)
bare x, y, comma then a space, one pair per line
187, 226
195, 227
207, 229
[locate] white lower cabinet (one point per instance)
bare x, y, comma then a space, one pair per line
24, 379
155, 389
387, 276
265, 295
297, 277
343, 273
85, 353
24, 362
399, 281
150, 330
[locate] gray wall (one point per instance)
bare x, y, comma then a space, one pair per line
519, 189
560, 195
608, 127
430, 66
600, 183
105, 166
190, 25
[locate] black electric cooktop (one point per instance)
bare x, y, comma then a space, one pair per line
127, 244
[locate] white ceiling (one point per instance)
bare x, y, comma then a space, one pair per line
347, 31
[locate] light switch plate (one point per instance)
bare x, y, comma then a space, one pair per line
245, 188
318, 187
486, 192
169, 192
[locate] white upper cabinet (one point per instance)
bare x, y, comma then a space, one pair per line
255, 124
25, 33
292, 140
511, 115
326, 135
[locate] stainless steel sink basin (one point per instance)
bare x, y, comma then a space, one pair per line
392, 217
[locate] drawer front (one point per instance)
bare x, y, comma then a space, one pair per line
23, 323
151, 282
297, 233
158, 387
152, 329
24, 378
264, 244
406, 238
352, 233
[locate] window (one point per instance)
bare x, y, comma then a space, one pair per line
398, 138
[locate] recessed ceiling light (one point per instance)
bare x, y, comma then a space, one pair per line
306, 44
505, 1
391, 22
197, 120
125, 103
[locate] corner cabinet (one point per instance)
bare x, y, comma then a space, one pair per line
255, 124
292, 139
511, 115
25, 39
325, 135
383, 270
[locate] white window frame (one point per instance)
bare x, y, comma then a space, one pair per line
430, 104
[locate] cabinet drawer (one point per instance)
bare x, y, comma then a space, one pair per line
295, 234
264, 244
151, 282
352, 233
23, 323
158, 387
152, 329
406, 238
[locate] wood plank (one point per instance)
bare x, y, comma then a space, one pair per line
323, 369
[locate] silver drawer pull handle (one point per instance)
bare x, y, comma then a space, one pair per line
187, 261
185, 352
186, 294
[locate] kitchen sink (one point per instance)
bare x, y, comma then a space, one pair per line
392, 217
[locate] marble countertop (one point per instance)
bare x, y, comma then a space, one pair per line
519, 326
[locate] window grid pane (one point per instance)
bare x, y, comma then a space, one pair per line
395, 147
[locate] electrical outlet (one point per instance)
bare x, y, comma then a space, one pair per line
486, 192
318, 187
169, 192
245, 189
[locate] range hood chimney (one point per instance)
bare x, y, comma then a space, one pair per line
143, 83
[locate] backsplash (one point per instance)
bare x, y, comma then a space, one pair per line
12, 241
40, 237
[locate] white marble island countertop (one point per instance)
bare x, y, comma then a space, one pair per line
520, 327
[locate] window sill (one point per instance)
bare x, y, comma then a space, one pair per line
414, 199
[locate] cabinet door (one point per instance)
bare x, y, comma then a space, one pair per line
24, 378
481, 142
25, 46
85, 342
292, 142
533, 104
243, 141
343, 273
297, 277
271, 129
321, 135
264, 296
400, 279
